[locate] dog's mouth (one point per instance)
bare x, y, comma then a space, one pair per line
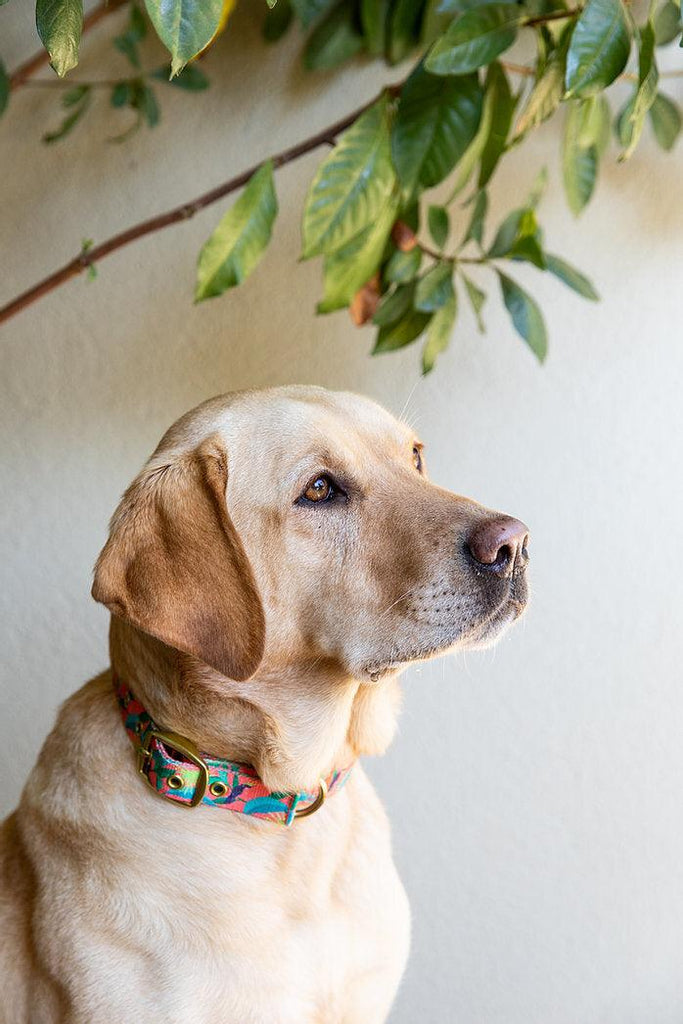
478, 632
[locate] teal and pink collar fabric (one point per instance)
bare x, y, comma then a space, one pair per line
175, 769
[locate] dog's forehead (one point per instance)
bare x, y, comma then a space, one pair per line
291, 422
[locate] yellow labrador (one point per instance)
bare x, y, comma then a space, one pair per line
278, 561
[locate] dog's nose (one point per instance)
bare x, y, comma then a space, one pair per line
499, 544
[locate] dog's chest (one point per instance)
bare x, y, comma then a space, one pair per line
277, 927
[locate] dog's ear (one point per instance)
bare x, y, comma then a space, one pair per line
175, 567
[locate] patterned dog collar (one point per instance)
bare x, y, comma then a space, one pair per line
175, 769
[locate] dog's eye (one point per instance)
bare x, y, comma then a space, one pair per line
320, 489
417, 458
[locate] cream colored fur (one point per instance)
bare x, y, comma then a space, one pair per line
118, 906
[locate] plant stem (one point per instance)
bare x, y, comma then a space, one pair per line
553, 16
179, 213
40, 59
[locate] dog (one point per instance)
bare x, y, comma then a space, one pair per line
278, 561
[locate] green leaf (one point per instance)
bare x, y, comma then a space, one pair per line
374, 16
547, 93
4, 88
439, 227
77, 100
277, 20
351, 186
401, 333
504, 104
648, 77
403, 266
439, 334
667, 23
525, 315
572, 277
145, 101
120, 95
538, 188
127, 43
599, 47
666, 121
191, 78
528, 250
434, 22
436, 121
475, 228
477, 299
351, 266
519, 224
402, 29
466, 165
238, 243
584, 136
308, 11
435, 288
334, 41
475, 38
72, 97
185, 27
59, 24
394, 305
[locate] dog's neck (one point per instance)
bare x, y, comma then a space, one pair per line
293, 725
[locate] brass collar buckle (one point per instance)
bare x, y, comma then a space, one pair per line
183, 746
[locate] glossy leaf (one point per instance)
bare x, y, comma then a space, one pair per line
439, 333
351, 186
477, 299
667, 23
403, 266
308, 11
349, 268
518, 224
435, 288
547, 93
4, 88
475, 38
665, 118
439, 226
526, 317
475, 228
238, 243
436, 121
572, 277
646, 92
59, 24
472, 155
599, 48
334, 41
395, 305
277, 20
401, 333
374, 15
185, 27
504, 104
402, 29
585, 136
528, 250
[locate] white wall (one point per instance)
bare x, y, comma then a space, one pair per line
535, 791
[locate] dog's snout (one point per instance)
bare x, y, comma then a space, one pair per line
499, 544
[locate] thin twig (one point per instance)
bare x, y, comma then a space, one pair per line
180, 213
40, 59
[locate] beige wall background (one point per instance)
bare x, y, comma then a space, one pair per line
535, 791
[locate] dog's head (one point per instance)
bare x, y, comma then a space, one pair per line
296, 524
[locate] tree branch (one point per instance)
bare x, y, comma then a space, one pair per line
40, 59
87, 258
